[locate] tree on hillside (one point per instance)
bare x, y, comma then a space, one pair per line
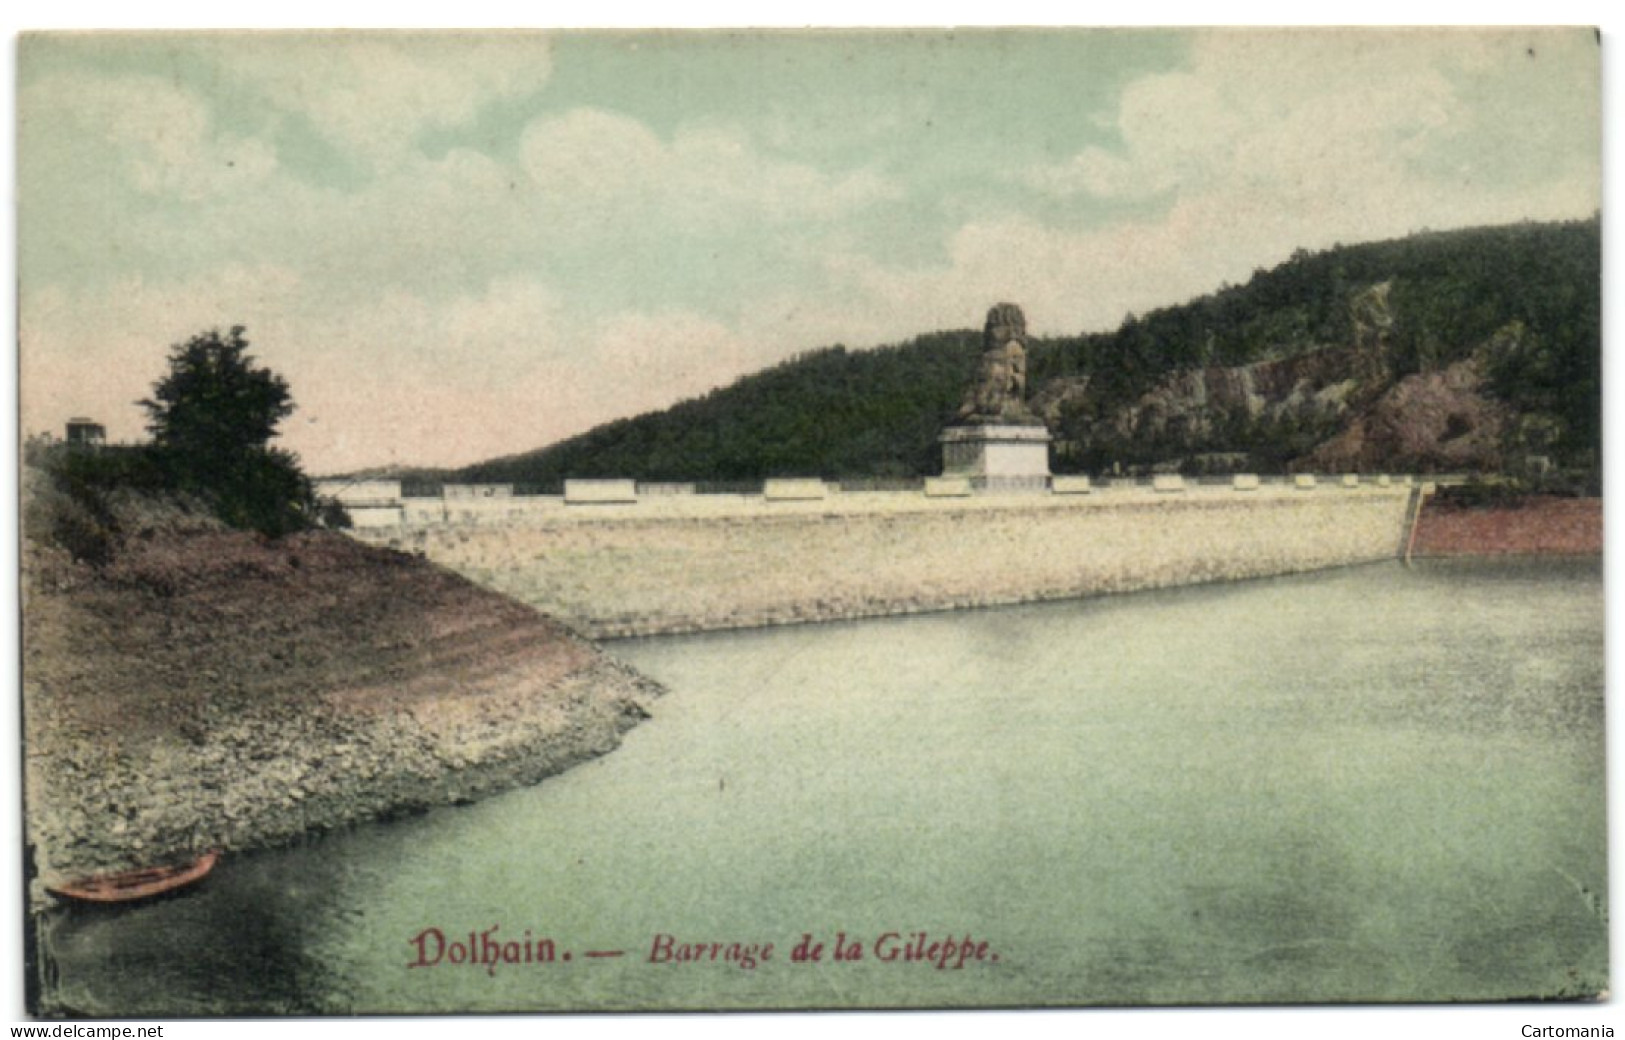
214, 399
212, 418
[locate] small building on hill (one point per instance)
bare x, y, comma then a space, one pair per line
86, 433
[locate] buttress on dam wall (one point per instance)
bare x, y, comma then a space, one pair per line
687, 563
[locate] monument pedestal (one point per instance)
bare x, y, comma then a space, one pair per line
997, 458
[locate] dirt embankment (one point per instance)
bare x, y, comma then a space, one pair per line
1538, 526
210, 689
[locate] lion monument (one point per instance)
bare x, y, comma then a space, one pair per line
1000, 391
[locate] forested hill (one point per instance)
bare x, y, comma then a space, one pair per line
1340, 359
831, 412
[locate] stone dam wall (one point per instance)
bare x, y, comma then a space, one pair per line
695, 563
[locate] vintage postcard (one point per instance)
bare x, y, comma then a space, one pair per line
805, 520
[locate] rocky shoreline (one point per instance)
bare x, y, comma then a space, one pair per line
212, 690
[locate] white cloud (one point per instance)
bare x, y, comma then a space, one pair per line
1269, 142
1169, 123
1304, 118
588, 150
374, 92
594, 165
144, 132
588, 183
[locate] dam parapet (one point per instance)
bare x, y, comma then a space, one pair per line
684, 562
381, 514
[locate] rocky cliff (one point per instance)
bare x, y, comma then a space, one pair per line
1332, 408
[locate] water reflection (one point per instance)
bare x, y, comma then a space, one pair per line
243, 941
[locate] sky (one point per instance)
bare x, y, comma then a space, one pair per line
455, 246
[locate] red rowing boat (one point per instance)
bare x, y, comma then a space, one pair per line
130, 885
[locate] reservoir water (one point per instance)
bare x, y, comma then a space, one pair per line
1373, 784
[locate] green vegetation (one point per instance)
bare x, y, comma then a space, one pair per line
832, 412
69, 495
876, 413
212, 417
1452, 292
